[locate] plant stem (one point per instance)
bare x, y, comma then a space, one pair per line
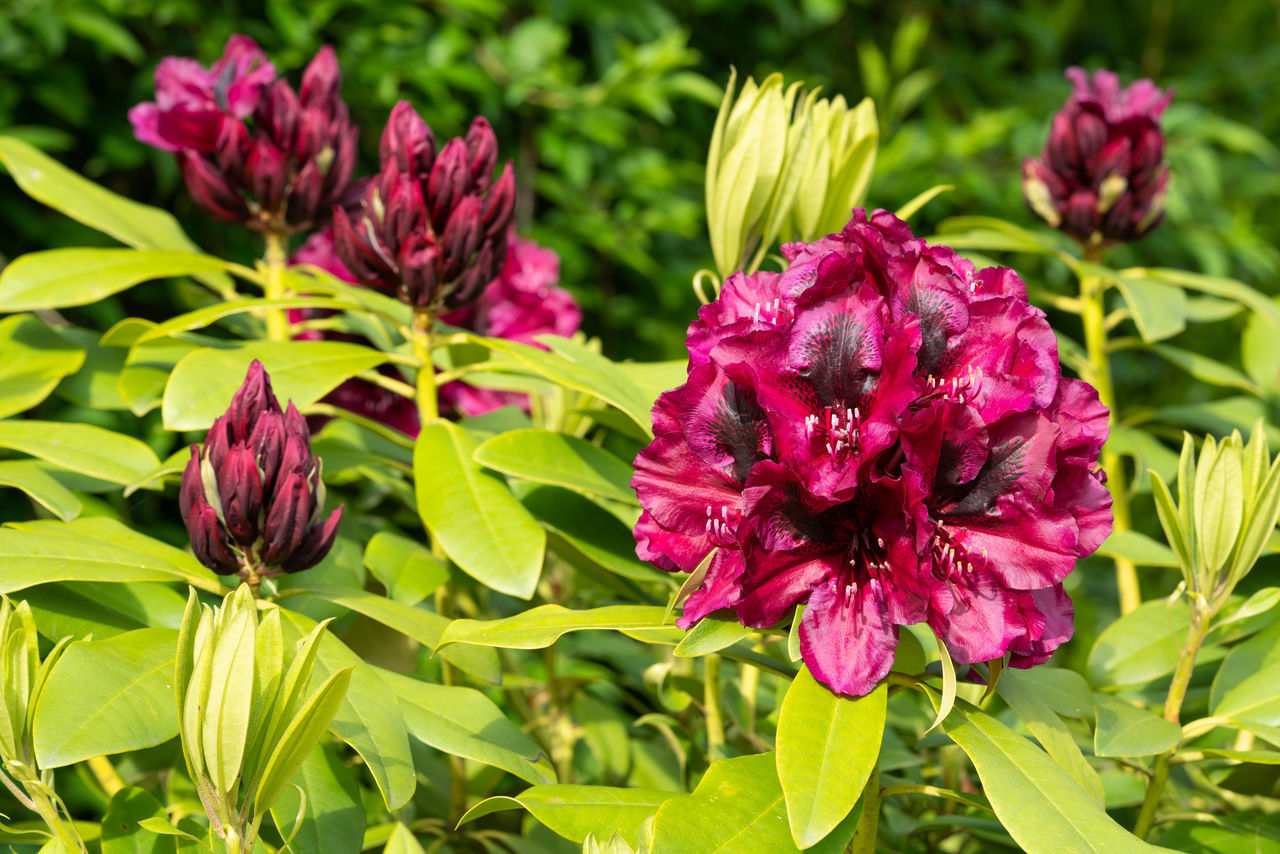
711, 699
1093, 316
561, 736
864, 836
457, 765
276, 260
106, 775
44, 806
1172, 712
423, 323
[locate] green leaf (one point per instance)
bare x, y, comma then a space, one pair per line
1223, 837
402, 841
422, 625
333, 822
542, 626
1024, 697
1219, 504
224, 718
1215, 285
827, 748
209, 314
1247, 686
711, 635
1141, 646
921, 199
57, 278
473, 515
1139, 548
464, 722
1159, 309
590, 530
107, 696
949, 685
203, 382
35, 359
1064, 691
82, 448
1126, 730
545, 456
405, 567
301, 737
1171, 521
1040, 804
984, 232
365, 720
37, 482
28, 558
121, 833
575, 811
1205, 369
738, 806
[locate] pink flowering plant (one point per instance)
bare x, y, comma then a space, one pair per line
370, 544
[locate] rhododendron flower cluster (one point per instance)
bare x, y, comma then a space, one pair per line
430, 228
882, 433
282, 172
1102, 173
522, 303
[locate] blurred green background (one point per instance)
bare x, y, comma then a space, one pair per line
607, 109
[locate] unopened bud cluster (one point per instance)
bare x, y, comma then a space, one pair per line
1102, 174
252, 149
253, 496
431, 227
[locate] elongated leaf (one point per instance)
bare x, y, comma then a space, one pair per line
301, 737
107, 696
1140, 646
711, 635
28, 558
466, 723
82, 448
333, 821
209, 314
542, 626
36, 481
1139, 548
1159, 309
36, 359
365, 720
56, 278
921, 199
202, 384
1205, 369
1023, 696
591, 530
1125, 730
1215, 285
1040, 804
473, 515
405, 567
545, 456
575, 811
827, 748
224, 719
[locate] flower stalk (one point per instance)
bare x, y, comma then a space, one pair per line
423, 324
711, 699
276, 260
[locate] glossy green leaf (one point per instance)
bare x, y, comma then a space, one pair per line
1222, 837
1214, 285
545, 456
57, 278
1139, 548
473, 515
203, 382
1159, 309
738, 806
1141, 646
405, 567
107, 696
301, 737
542, 626
1064, 691
210, 314
949, 685
921, 199
121, 833
1040, 804
1247, 686
1125, 730
990, 233
828, 745
82, 448
402, 841
28, 558
35, 359
1205, 369
1040, 718
41, 486
590, 530
1219, 503
224, 717
333, 822
466, 723
365, 720
575, 811
711, 635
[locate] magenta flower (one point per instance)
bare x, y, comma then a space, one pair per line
883, 434
251, 149
522, 303
1102, 174
430, 228
252, 497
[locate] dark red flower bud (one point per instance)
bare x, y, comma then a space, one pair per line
315, 545
209, 542
288, 518
219, 440
419, 264
253, 399
240, 493
267, 442
482, 150
404, 210
210, 188
267, 172
191, 494
448, 182
279, 114
407, 141
322, 82
500, 205
461, 238
358, 255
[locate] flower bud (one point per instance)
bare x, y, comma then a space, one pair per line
210, 188
251, 498
407, 141
1100, 176
448, 182
482, 150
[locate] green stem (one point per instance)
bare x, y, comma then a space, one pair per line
864, 836
276, 260
1093, 316
711, 699
1172, 712
457, 765
561, 734
749, 683
423, 323
45, 807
